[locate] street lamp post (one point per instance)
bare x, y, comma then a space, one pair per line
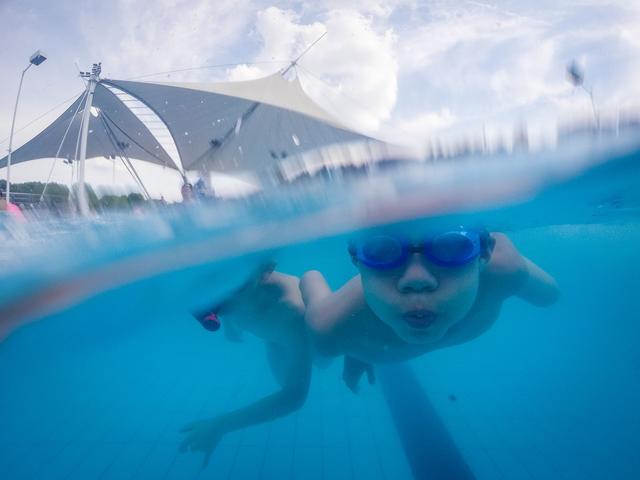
36, 59
575, 75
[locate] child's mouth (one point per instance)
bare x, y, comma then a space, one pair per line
419, 318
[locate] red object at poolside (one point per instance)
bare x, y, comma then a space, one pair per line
14, 211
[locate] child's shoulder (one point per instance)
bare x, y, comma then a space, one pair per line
509, 273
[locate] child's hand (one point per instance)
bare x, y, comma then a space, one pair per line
202, 436
353, 370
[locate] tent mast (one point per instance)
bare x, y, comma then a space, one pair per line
94, 78
295, 62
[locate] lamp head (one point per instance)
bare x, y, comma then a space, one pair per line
575, 74
37, 58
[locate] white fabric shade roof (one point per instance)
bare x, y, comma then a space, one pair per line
226, 127
242, 125
114, 123
273, 90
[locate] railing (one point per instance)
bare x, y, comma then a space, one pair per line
18, 198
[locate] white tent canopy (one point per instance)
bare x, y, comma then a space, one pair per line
273, 90
113, 128
224, 127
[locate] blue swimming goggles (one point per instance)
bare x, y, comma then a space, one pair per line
448, 249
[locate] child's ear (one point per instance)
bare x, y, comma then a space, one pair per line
487, 249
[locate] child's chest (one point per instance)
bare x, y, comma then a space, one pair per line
372, 343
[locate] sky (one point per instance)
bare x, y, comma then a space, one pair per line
407, 71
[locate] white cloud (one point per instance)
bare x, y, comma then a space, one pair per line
282, 37
352, 71
246, 72
504, 62
165, 35
379, 9
413, 130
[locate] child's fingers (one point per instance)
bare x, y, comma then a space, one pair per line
352, 383
188, 427
184, 446
207, 457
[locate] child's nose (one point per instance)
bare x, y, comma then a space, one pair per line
417, 277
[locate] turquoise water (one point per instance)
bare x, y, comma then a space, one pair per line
99, 386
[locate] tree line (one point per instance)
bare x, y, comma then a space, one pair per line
59, 196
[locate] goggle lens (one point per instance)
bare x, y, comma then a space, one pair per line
452, 248
381, 251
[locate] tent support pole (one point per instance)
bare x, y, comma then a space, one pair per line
94, 78
295, 62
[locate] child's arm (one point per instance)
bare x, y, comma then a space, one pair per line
540, 288
327, 311
508, 273
295, 373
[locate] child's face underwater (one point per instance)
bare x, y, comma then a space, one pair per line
419, 300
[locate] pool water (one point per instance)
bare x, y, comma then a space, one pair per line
100, 387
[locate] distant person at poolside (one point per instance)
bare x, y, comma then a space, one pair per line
187, 192
270, 307
202, 191
418, 294
13, 210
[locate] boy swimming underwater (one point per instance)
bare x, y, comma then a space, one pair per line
417, 294
412, 296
